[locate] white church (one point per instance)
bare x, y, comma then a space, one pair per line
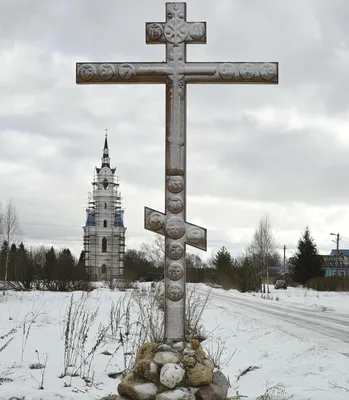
104, 231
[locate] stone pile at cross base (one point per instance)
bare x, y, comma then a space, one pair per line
180, 371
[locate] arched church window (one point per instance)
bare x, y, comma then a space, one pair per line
104, 269
105, 223
105, 183
104, 245
105, 205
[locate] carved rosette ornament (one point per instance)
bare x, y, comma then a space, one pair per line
126, 72
194, 235
175, 292
154, 31
176, 29
86, 72
106, 72
175, 227
268, 71
175, 271
175, 204
175, 184
156, 221
197, 30
175, 251
227, 70
247, 71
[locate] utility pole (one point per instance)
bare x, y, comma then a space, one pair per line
284, 259
337, 243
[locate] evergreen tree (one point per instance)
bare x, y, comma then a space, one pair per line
81, 262
306, 263
137, 265
12, 260
65, 265
223, 263
50, 268
3, 254
247, 275
25, 271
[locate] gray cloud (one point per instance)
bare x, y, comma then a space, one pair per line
252, 150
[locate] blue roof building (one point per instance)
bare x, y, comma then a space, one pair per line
334, 264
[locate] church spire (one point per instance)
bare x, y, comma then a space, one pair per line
105, 158
106, 140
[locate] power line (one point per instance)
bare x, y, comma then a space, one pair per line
45, 224
128, 227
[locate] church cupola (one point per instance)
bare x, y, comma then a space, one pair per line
105, 158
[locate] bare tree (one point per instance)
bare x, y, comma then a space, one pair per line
262, 248
193, 260
37, 254
10, 231
155, 252
193, 266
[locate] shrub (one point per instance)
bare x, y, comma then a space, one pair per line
329, 284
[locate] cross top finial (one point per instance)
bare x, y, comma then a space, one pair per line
106, 132
176, 29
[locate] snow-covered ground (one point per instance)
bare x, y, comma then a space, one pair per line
297, 341
299, 338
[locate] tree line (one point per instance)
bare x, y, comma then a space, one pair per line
45, 267
41, 267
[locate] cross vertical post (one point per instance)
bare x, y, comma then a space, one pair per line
176, 73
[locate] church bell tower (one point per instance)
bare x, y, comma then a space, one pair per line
104, 231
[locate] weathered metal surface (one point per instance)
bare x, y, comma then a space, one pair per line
175, 73
191, 72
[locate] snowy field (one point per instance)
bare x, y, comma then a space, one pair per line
296, 343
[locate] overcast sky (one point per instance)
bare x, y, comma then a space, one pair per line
281, 150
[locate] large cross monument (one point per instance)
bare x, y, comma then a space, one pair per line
176, 73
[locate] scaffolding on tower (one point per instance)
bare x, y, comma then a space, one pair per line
104, 219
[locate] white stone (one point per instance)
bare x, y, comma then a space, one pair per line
153, 368
164, 347
171, 375
145, 391
188, 352
177, 394
178, 345
188, 361
209, 364
165, 357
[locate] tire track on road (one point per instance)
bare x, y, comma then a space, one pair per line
337, 329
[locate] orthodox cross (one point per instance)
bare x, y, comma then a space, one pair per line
175, 73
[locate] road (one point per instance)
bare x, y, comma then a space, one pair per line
328, 328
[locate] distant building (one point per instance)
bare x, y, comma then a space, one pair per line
334, 264
104, 231
343, 252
